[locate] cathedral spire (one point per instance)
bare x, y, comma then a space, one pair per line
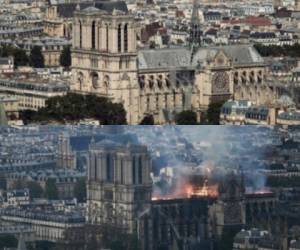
195, 32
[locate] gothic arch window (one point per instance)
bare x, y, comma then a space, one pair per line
236, 78
80, 80
107, 33
122, 171
80, 34
106, 82
109, 168
244, 77
168, 84
252, 80
126, 37
93, 38
159, 82
140, 170
95, 80
142, 82
119, 38
133, 170
148, 102
259, 77
120, 63
151, 82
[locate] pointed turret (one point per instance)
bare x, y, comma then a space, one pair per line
195, 28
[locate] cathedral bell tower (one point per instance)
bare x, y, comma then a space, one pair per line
228, 212
119, 186
104, 54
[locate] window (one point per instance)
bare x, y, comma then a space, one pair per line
133, 170
140, 171
122, 172
107, 32
126, 37
119, 38
80, 35
93, 35
120, 63
148, 102
109, 168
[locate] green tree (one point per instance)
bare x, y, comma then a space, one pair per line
51, 191
35, 189
65, 57
75, 107
8, 241
213, 113
80, 190
20, 57
36, 58
147, 120
187, 117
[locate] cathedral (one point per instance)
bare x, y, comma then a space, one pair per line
119, 184
159, 82
119, 193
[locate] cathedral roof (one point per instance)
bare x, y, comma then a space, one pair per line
116, 146
164, 58
67, 9
239, 54
181, 57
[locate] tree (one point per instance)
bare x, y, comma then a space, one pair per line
75, 107
147, 120
35, 189
65, 57
51, 191
80, 190
20, 57
36, 58
213, 113
187, 117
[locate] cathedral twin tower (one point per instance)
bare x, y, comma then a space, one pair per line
104, 55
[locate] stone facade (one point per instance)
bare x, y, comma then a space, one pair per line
119, 184
105, 61
104, 57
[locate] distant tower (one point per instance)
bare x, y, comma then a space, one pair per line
229, 211
3, 119
65, 158
195, 28
104, 54
119, 184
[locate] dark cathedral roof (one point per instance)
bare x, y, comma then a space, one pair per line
67, 9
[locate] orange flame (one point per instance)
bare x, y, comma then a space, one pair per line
188, 190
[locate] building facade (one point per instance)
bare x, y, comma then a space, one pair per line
119, 184
162, 82
66, 157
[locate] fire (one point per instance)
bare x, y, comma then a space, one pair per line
188, 190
